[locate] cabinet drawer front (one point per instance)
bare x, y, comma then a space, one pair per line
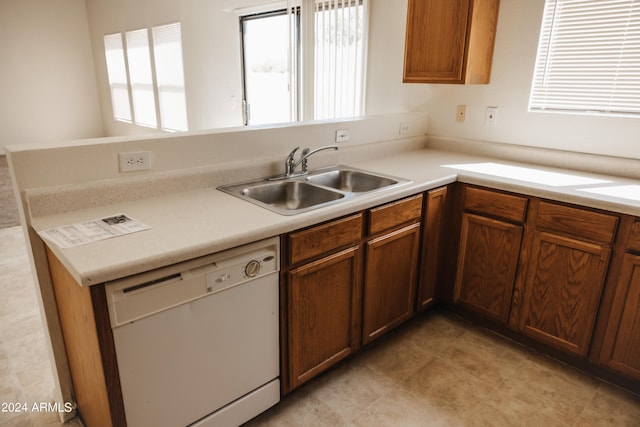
324, 238
395, 214
500, 205
634, 237
576, 222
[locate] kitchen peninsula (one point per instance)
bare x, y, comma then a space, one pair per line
189, 218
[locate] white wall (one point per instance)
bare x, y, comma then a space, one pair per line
385, 91
211, 55
46, 74
211, 44
513, 63
49, 89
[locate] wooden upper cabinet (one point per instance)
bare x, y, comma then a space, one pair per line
450, 41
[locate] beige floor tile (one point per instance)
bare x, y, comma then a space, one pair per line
444, 385
502, 410
435, 332
404, 409
351, 388
488, 356
552, 388
611, 407
301, 408
395, 357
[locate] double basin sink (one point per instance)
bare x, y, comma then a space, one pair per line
320, 188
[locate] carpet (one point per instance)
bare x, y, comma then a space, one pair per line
8, 206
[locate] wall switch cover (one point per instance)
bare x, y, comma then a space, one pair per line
461, 113
490, 117
342, 135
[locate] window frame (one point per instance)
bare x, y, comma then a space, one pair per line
575, 71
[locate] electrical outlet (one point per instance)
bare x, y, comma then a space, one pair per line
404, 129
342, 135
134, 161
461, 113
490, 117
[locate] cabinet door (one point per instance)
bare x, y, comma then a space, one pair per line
433, 224
487, 264
622, 341
390, 279
562, 287
435, 43
450, 41
323, 314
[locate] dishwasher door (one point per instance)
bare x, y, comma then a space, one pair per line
183, 363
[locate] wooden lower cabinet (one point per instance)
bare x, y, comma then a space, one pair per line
345, 285
621, 348
487, 263
390, 281
491, 233
430, 265
323, 314
562, 288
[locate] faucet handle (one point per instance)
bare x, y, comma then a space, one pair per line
293, 153
290, 163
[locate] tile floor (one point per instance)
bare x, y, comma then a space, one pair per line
25, 372
436, 370
439, 370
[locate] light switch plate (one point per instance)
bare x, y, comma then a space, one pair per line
342, 135
490, 117
461, 113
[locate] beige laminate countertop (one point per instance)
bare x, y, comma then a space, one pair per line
190, 224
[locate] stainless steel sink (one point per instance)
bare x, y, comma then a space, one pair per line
324, 187
351, 180
291, 195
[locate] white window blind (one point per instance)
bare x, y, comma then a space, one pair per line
340, 48
588, 58
144, 102
117, 72
167, 51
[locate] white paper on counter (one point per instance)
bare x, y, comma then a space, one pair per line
68, 236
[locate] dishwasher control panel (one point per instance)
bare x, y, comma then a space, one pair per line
145, 294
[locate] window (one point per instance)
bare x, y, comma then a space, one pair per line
269, 71
146, 77
588, 59
339, 58
288, 76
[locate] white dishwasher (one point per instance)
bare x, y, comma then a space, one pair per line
198, 343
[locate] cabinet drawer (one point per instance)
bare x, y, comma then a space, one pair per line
576, 222
324, 238
499, 205
634, 237
395, 214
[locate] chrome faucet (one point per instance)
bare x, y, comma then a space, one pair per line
291, 164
